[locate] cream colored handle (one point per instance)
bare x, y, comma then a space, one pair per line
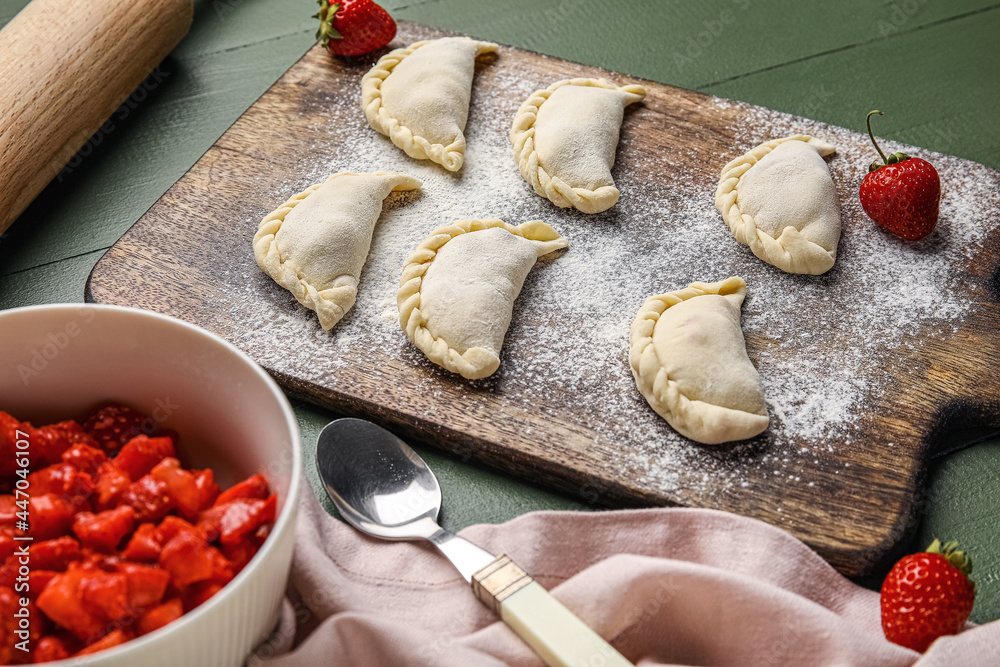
66, 65
554, 632
550, 629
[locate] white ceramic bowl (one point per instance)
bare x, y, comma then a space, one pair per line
58, 361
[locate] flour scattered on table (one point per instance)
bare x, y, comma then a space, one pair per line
568, 342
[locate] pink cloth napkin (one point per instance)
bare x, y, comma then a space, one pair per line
664, 586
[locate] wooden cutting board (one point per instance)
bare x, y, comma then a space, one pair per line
864, 367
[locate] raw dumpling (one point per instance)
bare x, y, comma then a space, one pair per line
315, 244
456, 295
565, 137
690, 362
419, 97
779, 199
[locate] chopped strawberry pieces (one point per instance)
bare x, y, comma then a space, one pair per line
62, 601
190, 559
52, 648
110, 483
9, 426
251, 487
148, 497
113, 638
84, 458
243, 516
160, 615
54, 554
113, 424
141, 453
50, 516
105, 530
8, 510
181, 486
208, 490
51, 441
199, 593
104, 593
146, 585
144, 545
122, 545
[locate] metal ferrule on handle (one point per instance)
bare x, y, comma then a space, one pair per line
550, 629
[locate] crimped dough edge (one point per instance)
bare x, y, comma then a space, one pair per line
703, 422
476, 362
808, 257
553, 188
331, 303
452, 156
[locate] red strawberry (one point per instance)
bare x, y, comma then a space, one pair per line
927, 595
901, 195
353, 27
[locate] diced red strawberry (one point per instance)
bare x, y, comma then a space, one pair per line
143, 546
50, 516
10, 604
239, 554
52, 440
38, 580
182, 487
109, 485
9, 426
84, 458
141, 453
199, 593
51, 648
54, 554
105, 593
210, 522
148, 497
64, 481
160, 615
7, 542
62, 602
146, 585
8, 510
171, 526
251, 487
190, 559
208, 490
105, 530
113, 638
243, 516
113, 424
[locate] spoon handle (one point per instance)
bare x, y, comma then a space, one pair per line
557, 635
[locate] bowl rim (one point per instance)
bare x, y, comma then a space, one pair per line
288, 511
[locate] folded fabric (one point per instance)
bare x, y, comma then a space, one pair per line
667, 586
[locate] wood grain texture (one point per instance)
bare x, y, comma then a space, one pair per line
853, 503
56, 98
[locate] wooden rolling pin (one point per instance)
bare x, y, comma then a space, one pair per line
66, 65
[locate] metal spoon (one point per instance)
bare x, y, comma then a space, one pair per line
383, 488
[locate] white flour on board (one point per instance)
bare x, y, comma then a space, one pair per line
569, 336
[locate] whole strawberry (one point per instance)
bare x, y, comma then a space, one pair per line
927, 595
353, 27
902, 194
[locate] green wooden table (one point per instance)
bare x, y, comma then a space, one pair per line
933, 67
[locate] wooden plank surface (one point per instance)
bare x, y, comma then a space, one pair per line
843, 476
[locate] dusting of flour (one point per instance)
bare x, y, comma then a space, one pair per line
568, 342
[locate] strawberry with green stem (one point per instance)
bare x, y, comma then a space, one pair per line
902, 194
927, 595
353, 27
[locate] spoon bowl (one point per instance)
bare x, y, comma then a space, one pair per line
378, 484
